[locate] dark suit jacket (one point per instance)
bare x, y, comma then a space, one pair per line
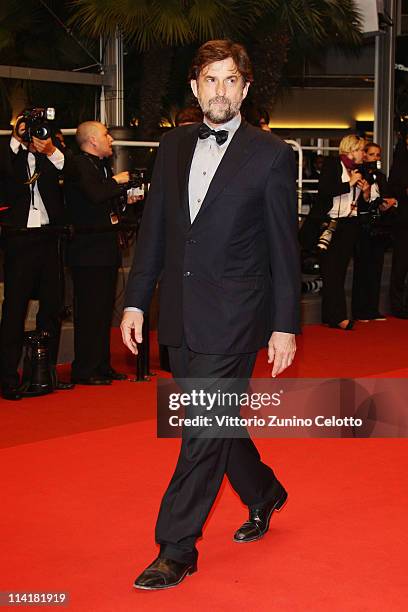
15, 194
232, 276
90, 197
385, 190
398, 181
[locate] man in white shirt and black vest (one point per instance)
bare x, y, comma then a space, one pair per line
31, 202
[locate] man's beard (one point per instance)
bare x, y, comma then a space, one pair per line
220, 115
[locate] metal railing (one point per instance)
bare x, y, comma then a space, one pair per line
298, 148
293, 143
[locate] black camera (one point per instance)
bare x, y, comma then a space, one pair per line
374, 209
38, 123
368, 171
136, 179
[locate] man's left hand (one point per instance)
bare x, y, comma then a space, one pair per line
46, 147
132, 199
281, 351
388, 203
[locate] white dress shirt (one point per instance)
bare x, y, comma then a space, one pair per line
206, 159
345, 205
38, 213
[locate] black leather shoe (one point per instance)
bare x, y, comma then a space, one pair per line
11, 393
64, 386
164, 574
92, 380
113, 375
347, 327
258, 522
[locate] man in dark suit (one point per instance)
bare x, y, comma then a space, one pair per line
92, 195
220, 227
398, 181
31, 199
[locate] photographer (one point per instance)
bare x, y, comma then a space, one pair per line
398, 180
376, 213
340, 185
31, 200
93, 197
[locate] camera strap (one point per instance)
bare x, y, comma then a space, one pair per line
34, 217
31, 177
31, 181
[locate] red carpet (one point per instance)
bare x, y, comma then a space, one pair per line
83, 475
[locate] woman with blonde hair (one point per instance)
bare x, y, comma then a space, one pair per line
340, 185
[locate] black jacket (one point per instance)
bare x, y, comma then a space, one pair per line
90, 197
232, 276
398, 181
330, 185
17, 196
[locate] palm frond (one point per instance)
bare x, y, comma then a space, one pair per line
170, 23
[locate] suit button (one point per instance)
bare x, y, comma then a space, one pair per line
191, 242
188, 274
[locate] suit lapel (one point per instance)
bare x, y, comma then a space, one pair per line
185, 155
237, 154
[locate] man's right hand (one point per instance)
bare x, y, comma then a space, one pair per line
355, 176
131, 328
121, 178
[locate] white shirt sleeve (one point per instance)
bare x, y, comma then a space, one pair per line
57, 158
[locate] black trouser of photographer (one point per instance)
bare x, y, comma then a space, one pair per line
367, 272
334, 263
94, 299
32, 270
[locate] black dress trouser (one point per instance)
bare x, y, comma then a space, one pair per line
32, 270
203, 462
334, 264
367, 272
94, 298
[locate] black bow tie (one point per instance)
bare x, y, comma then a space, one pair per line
204, 131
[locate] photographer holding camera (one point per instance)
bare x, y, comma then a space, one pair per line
340, 185
398, 180
376, 211
94, 199
31, 200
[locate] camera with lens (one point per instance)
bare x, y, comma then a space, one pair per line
136, 184
368, 171
327, 235
136, 178
38, 123
376, 224
374, 213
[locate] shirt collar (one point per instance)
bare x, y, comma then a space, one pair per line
231, 126
15, 144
